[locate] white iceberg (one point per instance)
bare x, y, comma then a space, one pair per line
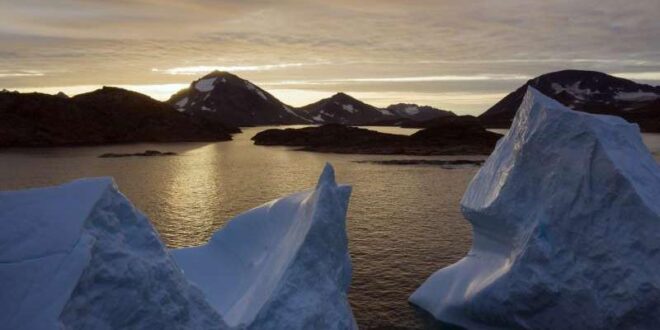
283, 265
80, 256
566, 229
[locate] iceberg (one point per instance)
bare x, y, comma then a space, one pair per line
566, 229
80, 256
283, 265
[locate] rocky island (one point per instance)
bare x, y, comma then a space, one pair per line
107, 115
147, 153
448, 136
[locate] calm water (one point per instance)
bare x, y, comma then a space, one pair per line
404, 221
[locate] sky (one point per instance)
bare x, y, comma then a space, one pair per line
456, 55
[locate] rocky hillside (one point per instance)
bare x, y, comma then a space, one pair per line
226, 98
107, 115
341, 108
229, 99
417, 112
587, 91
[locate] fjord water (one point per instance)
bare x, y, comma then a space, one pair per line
404, 221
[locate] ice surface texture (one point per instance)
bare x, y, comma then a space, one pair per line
283, 265
80, 256
566, 229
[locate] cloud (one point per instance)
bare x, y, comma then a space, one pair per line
203, 69
646, 76
348, 43
20, 73
475, 77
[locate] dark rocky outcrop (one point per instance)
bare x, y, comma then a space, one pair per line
447, 140
147, 153
107, 115
587, 91
457, 163
466, 122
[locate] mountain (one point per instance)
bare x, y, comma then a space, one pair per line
107, 115
343, 109
234, 101
226, 98
411, 115
416, 112
586, 91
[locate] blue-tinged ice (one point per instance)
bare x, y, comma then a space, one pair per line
566, 229
283, 265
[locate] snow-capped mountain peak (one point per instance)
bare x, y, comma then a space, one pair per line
586, 91
341, 108
229, 99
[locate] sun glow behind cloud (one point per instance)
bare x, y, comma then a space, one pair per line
446, 78
20, 73
453, 54
644, 76
203, 69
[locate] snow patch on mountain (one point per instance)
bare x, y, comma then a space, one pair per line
348, 107
574, 89
289, 110
205, 85
180, 105
412, 110
566, 229
636, 96
327, 114
254, 88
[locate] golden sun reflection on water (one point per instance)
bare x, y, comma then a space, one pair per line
192, 190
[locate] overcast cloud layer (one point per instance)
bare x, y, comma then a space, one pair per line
460, 55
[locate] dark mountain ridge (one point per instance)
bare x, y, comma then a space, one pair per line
342, 108
229, 99
587, 91
107, 115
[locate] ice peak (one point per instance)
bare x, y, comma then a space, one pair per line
327, 176
284, 265
564, 197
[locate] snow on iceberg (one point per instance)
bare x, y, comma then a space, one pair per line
566, 229
80, 256
283, 265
